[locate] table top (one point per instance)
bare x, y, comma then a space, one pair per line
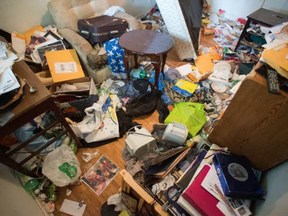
29, 100
268, 17
146, 42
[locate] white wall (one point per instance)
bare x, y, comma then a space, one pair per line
22, 15
135, 7
242, 8
14, 199
274, 183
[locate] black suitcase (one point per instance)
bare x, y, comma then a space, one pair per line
102, 28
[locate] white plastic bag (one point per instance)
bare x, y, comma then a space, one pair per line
116, 200
92, 121
61, 166
110, 126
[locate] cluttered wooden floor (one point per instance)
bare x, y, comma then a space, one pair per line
113, 152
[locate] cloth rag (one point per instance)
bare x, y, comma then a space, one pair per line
167, 182
113, 10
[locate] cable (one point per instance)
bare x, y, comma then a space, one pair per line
143, 134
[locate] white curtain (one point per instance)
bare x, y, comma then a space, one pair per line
176, 25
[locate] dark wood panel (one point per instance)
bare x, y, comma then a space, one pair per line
255, 124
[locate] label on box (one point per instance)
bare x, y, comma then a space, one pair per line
65, 67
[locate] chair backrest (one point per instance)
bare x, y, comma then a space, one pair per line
66, 13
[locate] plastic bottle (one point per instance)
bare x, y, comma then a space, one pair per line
144, 71
28, 182
136, 73
53, 192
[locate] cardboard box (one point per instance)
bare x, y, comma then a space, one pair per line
92, 88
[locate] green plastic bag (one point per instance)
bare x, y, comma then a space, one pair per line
190, 114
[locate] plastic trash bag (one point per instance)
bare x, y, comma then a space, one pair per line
190, 114
109, 126
92, 121
61, 166
116, 200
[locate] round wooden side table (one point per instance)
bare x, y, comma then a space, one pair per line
154, 45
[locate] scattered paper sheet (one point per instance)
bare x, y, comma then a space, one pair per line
11, 55
264, 29
8, 81
277, 28
5, 64
274, 43
210, 180
184, 69
18, 42
72, 208
269, 38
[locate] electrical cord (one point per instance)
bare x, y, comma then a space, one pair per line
219, 150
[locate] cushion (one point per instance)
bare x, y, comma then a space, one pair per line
66, 13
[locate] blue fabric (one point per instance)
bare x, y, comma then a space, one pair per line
166, 99
181, 91
160, 81
115, 58
161, 84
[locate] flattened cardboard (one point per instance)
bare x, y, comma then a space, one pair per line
204, 64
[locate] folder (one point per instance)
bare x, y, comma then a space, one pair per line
284, 65
199, 198
31, 32
276, 58
64, 65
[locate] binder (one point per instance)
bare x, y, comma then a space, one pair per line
199, 198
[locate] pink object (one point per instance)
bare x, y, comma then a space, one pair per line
199, 198
222, 13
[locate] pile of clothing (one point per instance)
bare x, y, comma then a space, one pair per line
100, 119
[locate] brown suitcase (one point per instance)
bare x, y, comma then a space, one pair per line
102, 28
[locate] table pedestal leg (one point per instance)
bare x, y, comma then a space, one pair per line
156, 61
126, 63
164, 56
135, 60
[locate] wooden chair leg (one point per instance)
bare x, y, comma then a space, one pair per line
128, 189
63, 122
140, 204
14, 165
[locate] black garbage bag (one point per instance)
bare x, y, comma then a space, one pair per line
147, 103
